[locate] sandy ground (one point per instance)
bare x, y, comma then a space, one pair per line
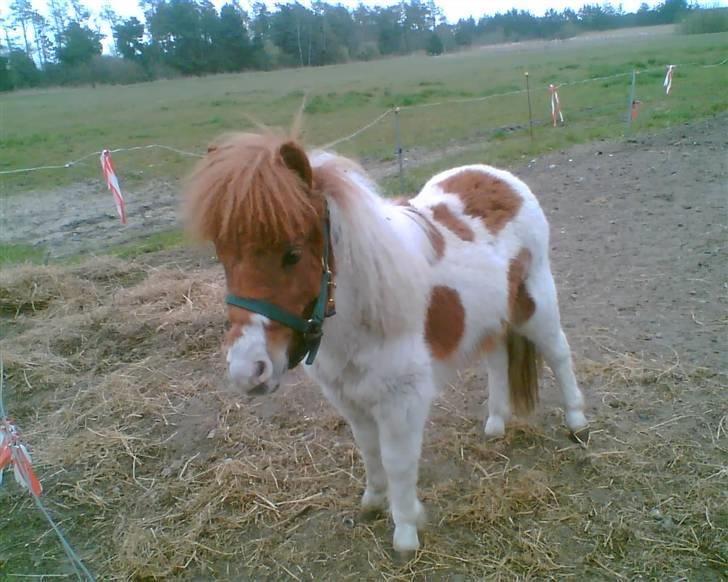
640, 240
82, 218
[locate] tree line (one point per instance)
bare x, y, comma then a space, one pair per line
63, 43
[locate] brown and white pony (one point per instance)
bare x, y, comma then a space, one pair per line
457, 274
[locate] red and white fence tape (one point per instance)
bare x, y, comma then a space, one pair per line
107, 167
667, 83
13, 452
635, 109
555, 106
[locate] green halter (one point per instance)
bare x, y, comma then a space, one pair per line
311, 329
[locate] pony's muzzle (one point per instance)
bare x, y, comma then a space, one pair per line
253, 377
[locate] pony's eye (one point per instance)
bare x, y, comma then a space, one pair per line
291, 257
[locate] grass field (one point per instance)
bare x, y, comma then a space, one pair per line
59, 125
20, 253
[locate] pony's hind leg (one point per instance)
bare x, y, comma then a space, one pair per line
499, 406
401, 422
543, 328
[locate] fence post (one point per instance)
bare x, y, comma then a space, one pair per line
632, 95
530, 112
399, 149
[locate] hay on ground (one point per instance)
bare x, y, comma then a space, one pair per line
156, 472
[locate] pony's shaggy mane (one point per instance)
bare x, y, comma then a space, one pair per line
386, 285
242, 192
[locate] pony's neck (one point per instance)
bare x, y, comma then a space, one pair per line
380, 285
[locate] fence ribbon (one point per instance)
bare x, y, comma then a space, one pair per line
635, 108
555, 105
113, 183
12, 451
667, 83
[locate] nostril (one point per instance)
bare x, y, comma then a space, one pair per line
259, 369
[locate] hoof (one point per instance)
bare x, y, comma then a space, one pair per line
576, 421
405, 539
373, 500
370, 514
580, 436
495, 428
401, 558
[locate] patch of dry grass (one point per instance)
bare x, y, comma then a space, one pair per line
115, 375
45, 290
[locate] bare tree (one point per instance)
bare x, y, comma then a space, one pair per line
40, 26
7, 27
59, 15
22, 16
80, 13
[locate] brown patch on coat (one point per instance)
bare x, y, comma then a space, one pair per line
492, 338
437, 241
485, 197
445, 323
524, 307
520, 304
444, 216
523, 368
488, 343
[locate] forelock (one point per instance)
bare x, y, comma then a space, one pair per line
242, 193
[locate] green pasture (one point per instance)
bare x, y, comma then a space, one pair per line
58, 125
11, 254
14, 253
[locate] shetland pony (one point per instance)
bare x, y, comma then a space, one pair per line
386, 301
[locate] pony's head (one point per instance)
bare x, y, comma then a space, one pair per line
253, 196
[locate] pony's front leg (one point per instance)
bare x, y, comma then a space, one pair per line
366, 434
401, 424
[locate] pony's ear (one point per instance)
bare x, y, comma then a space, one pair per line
296, 160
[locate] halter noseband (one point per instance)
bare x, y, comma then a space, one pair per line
311, 329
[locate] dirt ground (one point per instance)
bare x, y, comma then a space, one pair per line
82, 219
156, 472
639, 240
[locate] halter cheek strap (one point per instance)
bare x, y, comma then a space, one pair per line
311, 329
